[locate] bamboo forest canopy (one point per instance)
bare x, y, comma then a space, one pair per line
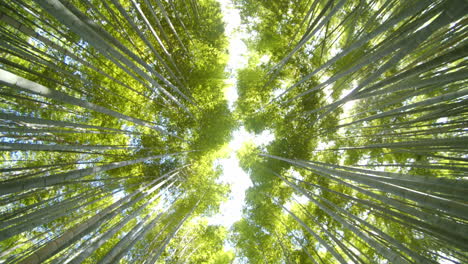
367, 101
108, 131
113, 121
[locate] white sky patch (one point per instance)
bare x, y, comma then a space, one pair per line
442, 120
231, 210
295, 174
328, 91
349, 105
239, 180
325, 145
300, 199
264, 59
237, 48
449, 260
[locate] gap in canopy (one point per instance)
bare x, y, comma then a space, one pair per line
232, 174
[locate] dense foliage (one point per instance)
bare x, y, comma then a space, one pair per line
113, 118
108, 135
367, 102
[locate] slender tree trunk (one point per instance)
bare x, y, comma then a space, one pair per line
174, 232
330, 249
78, 231
111, 232
17, 186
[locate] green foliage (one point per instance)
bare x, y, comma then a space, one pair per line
356, 120
167, 74
113, 117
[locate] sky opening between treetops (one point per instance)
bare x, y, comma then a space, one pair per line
234, 131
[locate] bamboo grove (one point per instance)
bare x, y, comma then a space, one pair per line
113, 114
107, 135
367, 103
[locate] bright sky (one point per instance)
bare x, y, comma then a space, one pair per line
237, 48
232, 174
231, 211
